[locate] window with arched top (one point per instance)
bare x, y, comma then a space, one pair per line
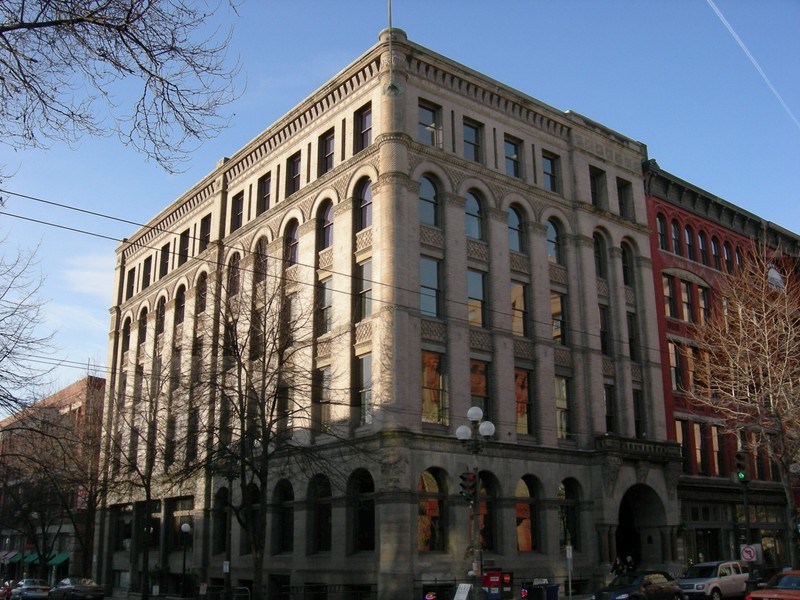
428, 202
234, 274
628, 273
161, 315
554, 246
142, 337
688, 239
363, 202
320, 514
661, 230
325, 220
715, 254
431, 516
516, 239
568, 515
677, 248
361, 495
728, 255
291, 243
600, 260
126, 335
260, 262
180, 305
202, 293
474, 216
527, 515
283, 517
702, 246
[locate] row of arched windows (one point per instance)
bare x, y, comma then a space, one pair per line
711, 252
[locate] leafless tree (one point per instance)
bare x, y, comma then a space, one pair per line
748, 375
23, 343
66, 63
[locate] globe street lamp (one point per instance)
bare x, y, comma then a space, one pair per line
474, 438
186, 529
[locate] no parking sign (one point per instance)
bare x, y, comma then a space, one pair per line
748, 552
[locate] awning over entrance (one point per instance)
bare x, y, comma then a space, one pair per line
15, 558
6, 555
58, 559
32, 558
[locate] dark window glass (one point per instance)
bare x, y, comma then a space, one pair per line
364, 290
237, 211
365, 205
515, 236
661, 227
205, 232
264, 193
293, 174
326, 226
429, 286
363, 128
364, 388
554, 254
130, 284
550, 173
147, 270
163, 264
325, 301
513, 160
180, 305
291, 243
202, 293
183, 246
428, 202
558, 311
476, 298
327, 150
474, 217
472, 141
161, 313
234, 275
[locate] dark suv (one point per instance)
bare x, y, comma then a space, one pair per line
641, 585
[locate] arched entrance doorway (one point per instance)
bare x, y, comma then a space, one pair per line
642, 522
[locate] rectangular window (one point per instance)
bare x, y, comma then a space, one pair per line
633, 337
364, 388
327, 151
363, 128
625, 198
687, 301
597, 187
682, 437
163, 264
429, 287
476, 298
608, 394
130, 284
638, 415
700, 449
550, 172
364, 289
264, 192
558, 311
205, 232
147, 270
325, 291
519, 309
237, 211
704, 305
183, 246
322, 399
676, 366
605, 334
563, 418
513, 151
479, 386
472, 141
434, 392
293, 174
430, 124
522, 393
714, 439
670, 302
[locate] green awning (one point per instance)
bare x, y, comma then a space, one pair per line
31, 558
58, 559
12, 557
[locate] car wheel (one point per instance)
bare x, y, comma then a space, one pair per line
677, 597
715, 595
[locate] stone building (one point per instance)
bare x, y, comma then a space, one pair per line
697, 237
454, 243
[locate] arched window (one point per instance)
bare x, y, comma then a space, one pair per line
688, 238
600, 262
554, 250
361, 492
260, 263
628, 272
246, 543
676, 238
474, 216
161, 314
142, 327
728, 253
568, 516
702, 243
431, 521
364, 204
516, 239
291, 243
527, 516
202, 293
180, 305
126, 335
234, 275
661, 227
283, 517
428, 202
715, 254
325, 219
320, 513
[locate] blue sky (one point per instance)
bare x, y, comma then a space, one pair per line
717, 105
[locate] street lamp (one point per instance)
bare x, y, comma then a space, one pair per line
186, 529
474, 438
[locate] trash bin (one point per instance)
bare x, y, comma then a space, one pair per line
533, 591
551, 591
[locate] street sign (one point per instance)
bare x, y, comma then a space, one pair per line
748, 553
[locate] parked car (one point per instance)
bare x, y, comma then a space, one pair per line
5, 589
641, 585
30, 589
715, 580
76, 588
782, 586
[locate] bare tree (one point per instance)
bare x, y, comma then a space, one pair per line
748, 375
61, 60
23, 343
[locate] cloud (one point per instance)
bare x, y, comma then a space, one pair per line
91, 274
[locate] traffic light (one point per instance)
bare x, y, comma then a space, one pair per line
469, 483
741, 471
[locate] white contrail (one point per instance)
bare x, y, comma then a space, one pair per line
753, 60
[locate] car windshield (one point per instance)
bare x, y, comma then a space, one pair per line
34, 582
786, 582
700, 571
624, 580
82, 581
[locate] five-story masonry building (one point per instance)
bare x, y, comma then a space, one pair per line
454, 243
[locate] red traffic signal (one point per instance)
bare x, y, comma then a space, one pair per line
469, 483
